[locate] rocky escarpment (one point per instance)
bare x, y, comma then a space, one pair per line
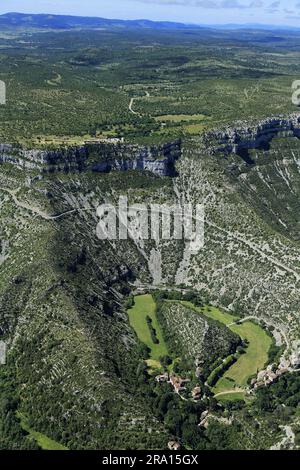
244, 136
99, 157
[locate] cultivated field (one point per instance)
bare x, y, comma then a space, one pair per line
144, 306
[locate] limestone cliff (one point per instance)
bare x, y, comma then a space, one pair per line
244, 136
99, 157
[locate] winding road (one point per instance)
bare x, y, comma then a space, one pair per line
130, 107
37, 210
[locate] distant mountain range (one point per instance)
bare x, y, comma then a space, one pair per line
68, 22
72, 22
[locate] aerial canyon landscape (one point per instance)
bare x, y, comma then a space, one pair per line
142, 343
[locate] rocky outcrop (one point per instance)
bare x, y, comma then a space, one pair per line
99, 157
244, 137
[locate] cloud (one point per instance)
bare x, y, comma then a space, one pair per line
273, 7
210, 4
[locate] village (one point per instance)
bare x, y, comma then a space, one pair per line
264, 378
272, 372
178, 385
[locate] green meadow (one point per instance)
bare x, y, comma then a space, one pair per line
181, 117
236, 377
144, 306
43, 441
233, 396
256, 355
249, 363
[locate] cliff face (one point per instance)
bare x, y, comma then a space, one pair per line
244, 137
102, 157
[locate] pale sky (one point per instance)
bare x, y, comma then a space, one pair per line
280, 12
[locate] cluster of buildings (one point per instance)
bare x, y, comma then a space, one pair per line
288, 363
105, 140
267, 376
178, 384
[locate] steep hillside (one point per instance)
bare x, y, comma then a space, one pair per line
72, 353
250, 260
194, 337
73, 359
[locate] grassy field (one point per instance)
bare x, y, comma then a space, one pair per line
256, 354
213, 312
193, 129
181, 117
233, 396
43, 441
144, 306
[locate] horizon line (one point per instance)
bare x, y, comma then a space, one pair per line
199, 25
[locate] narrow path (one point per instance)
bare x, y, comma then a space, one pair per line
37, 210
256, 249
227, 392
130, 107
243, 240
